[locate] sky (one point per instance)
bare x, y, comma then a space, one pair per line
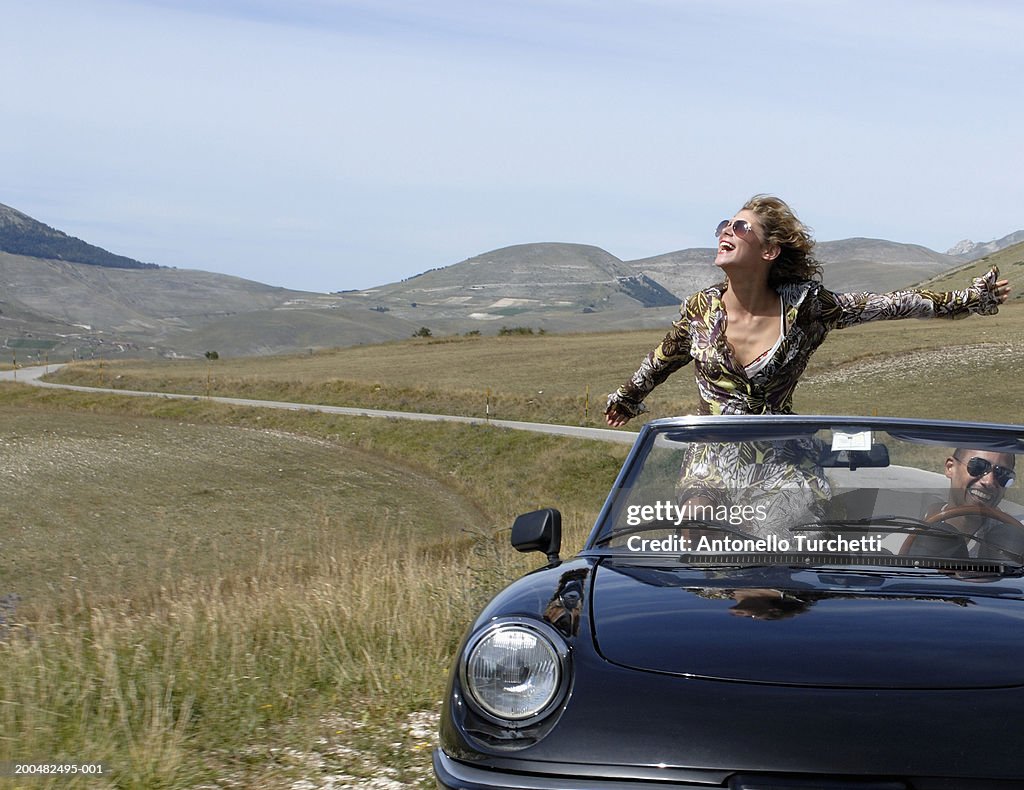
327, 145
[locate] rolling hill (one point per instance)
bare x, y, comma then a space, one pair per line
849, 265
1009, 261
73, 310
549, 284
109, 304
22, 235
574, 287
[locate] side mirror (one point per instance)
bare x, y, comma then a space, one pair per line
539, 530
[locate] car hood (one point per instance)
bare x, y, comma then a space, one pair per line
768, 629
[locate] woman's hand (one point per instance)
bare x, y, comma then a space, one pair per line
616, 417
992, 290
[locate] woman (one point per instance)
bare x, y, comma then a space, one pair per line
750, 339
751, 336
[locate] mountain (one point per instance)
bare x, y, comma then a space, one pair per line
969, 251
1009, 261
849, 265
73, 309
682, 271
576, 287
68, 299
549, 285
22, 235
552, 273
860, 264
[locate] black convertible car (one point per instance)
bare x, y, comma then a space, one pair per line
764, 603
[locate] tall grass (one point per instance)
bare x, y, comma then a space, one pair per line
235, 673
175, 695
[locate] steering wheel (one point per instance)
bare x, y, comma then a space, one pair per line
974, 510
964, 510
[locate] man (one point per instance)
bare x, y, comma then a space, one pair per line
977, 477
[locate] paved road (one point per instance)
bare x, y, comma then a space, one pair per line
33, 375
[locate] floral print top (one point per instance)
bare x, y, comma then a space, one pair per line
810, 312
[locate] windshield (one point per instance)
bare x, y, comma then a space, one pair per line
786, 490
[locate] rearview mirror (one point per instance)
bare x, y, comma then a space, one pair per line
877, 456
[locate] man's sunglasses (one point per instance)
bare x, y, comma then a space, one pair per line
979, 467
739, 226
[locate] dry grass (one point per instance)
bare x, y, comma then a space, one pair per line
216, 596
565, 378
168, 696
243, 598
109, 505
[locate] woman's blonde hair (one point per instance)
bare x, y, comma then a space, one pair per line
780, 226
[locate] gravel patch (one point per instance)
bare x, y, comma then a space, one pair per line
333, 764
420, 726
979, 357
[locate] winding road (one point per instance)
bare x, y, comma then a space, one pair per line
33, 375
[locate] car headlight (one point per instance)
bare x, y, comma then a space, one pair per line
516, 671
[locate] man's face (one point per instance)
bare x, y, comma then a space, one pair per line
965, 489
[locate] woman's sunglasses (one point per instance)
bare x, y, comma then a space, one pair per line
739, 226
979, 467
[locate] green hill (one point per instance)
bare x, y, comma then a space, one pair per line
22, 235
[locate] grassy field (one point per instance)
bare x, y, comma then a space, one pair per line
221, 597
214, 596
565, 378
